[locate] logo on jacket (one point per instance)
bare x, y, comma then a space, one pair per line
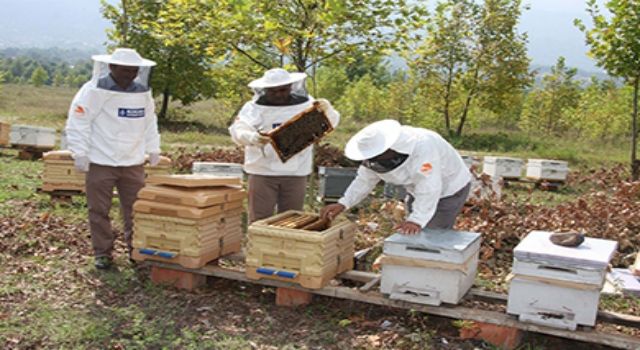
426, 168
131, 112
79, 111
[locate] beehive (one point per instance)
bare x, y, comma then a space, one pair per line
189, 226
334, 182
299, 132
502, 167
558, 286
5, 130
432, 267
218, 168
298, 247
162, 168
32, 136
544, 169
60, 173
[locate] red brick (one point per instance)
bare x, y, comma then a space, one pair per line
507, 338
179, 279
292, 297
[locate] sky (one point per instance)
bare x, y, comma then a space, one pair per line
79, 24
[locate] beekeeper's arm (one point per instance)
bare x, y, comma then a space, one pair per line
244, 130
360, 188
82, 112
428, 186
151, 135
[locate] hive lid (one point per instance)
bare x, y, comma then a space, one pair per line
592, 253
493, 159
195, 196
548, 163
194, 180
57, 155
431, 244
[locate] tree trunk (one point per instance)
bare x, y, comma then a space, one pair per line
125, 24
447, 100
635, 163
165, 104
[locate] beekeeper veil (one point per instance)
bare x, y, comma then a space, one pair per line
122, 71
278, 77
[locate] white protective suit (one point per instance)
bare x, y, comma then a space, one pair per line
254, 117
112, 128
433, 170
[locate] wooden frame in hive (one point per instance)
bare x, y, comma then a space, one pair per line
284, 247
299, 132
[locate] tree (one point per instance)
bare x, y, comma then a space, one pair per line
549, 108
307, 32
472, 54
166, 32
39, 77
614, 45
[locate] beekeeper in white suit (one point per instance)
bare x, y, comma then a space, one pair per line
111, 125
431, 170
278, 96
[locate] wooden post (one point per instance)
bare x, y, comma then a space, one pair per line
179, 279
292, 297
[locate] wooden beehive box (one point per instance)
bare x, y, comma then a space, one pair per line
5, 130
162, 168
298, 247
189, 226
299, 132
59, 172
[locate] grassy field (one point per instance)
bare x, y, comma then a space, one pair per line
52, 297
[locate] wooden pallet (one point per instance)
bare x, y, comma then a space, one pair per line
365, 294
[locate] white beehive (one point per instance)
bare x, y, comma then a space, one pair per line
558, 286
432, 267
34, 136
544, 169
502, 167
217, 168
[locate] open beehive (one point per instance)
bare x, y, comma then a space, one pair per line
299, 247
299, 132
186, 225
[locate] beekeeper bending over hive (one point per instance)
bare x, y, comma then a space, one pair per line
111, 125
432, 171
278, 96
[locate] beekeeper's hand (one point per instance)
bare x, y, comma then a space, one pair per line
408, 228
154, 159
81, 163
258, 139
324, 105
331, 211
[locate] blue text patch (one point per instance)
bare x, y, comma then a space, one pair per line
131, 112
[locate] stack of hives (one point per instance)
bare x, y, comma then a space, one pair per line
188, 219
60, 174
299, 247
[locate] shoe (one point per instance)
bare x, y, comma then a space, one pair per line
103, 262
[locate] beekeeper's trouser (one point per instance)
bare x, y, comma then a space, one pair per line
100, 181
267, 193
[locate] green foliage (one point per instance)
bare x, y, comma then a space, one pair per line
613, 42
473, 54
39, 76
550, 108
